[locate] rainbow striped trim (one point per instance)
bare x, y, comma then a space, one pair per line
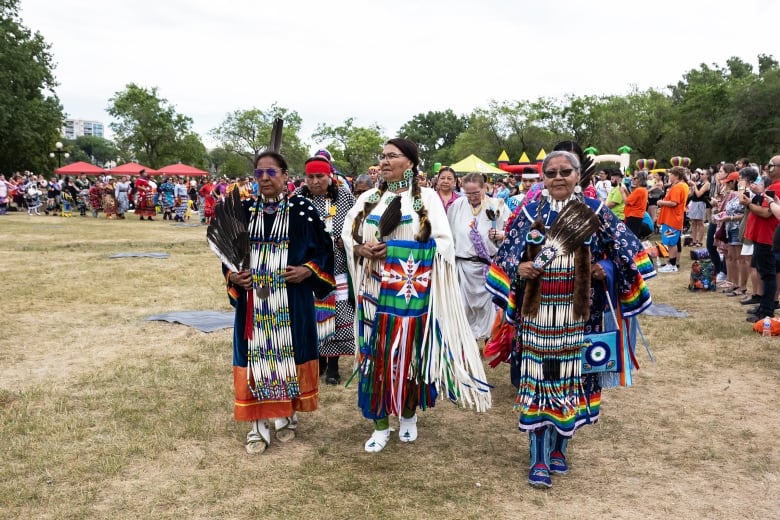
644, 265
635, 300
319, 273
497, 284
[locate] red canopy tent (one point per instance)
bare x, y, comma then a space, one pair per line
80, 168
131, 168
183, 170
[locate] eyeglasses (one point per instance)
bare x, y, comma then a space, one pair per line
271, 172
551, 174
771, 165
389, 156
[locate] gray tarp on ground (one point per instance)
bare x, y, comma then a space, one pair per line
149, 255
665, 311
204, 321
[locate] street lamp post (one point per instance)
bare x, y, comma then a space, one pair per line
59, 152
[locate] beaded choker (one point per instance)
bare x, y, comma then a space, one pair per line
398, 185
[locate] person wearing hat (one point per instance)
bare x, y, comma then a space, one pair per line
672, 217
728, 216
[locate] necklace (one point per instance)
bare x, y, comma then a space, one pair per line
397, 185
476, 209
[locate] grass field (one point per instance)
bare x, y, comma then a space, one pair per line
105, 415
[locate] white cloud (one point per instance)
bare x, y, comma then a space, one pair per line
381, 61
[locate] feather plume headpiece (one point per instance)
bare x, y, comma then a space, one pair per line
228, 234
587, 168
575, 224
276, 135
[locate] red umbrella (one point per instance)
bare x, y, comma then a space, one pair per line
131, 168
80, 168
183, 170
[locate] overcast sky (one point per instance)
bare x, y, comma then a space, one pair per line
383, 61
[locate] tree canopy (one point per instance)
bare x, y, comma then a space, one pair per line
30, 112
248, 132
148, 129
353, 148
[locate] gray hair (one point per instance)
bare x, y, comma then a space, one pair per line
641, 178
573, 160
364, 179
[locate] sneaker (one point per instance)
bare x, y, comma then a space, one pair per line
750, 300
668, 268
720, 278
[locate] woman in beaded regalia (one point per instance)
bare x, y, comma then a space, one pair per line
275, 361
555, 304
335, 312
413, 339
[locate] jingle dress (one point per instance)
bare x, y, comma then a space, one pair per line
413, 339
335, 312
144, 198
275, 360
546, 355
180, 198
122, 193
473, 254
165, 195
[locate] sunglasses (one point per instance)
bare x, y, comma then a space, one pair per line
565, 172
271, 172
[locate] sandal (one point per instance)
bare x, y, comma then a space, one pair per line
377, 441
259, 438
285, 428
408, 430
737, 292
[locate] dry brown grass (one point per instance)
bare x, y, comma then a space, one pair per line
105, 415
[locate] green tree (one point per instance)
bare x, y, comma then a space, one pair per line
248, 132
189, 150
94, 149
354, 148
223, 162
148, 127
30, 112
482, 137
435, 134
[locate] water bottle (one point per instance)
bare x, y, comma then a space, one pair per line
766, 331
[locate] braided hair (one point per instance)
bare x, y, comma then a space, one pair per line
391, 217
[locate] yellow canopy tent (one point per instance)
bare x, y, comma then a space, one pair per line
473, 164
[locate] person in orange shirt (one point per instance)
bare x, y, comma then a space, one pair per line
672, 216
636, 204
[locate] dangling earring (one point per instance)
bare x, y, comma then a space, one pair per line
408, 174
545, 193
578, 189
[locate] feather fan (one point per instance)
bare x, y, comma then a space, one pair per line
575, 224
227, 233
